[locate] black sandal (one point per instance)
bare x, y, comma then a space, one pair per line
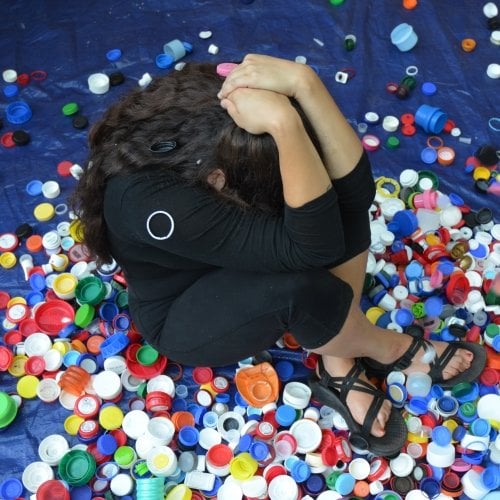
332, 392
437, 364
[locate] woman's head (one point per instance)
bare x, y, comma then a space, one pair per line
176, 124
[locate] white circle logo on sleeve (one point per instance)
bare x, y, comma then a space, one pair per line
160, 225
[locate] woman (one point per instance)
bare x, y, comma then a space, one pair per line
238, 210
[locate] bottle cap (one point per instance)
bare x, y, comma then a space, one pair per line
77, 467
35, 474
52, 448
441, 435
297, 395
98, 83
308, 435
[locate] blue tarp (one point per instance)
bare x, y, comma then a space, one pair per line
69, 41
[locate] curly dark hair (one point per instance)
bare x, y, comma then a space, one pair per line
182, 107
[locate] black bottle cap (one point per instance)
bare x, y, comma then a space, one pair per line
415, 331
487, 155
24, 231
494, 23
80, 122
20, 137
482, 185
469, 219
457, 330
116, 78
484, 215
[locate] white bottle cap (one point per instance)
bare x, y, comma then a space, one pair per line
229, 491
52, 448
440, 456
161, 430
51, 189
162, 461
98, 83
390, 123
255, 487
48, 390
283, 488
408, 177
490, 10
35, 474
488, 408
162, 383
9, 75
493, 70
473, 485
209, 437
198, 480
134, 423
107, 384
122, 484
297, 395
37, 344
307, 434
359, 468
402, 465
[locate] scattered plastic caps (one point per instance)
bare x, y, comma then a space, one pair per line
403, 36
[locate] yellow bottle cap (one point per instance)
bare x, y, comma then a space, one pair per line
72, 424
243, 466
16, 368
62, 346
27, 386
179, 492
8, 260
111, 417
481, 173
64, 285
209, 388
76, 230
373, 314
44, 212
417, 438
16, 300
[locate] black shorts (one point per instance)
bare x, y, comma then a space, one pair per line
227, 315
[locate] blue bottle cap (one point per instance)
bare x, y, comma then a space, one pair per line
446, 267
259, 450
403, 223
284, 369
18, 112
11, 488
436, 391
458, 433
67, 331
428, 155
456, 199
223, 397
345, 484
113, 55
480, 427
384, 320
428, 88
433, 306
491, 477
315, 484
188, 46
404, 317
188, 435
430, 486
83, 492
108, 310
198, 414
474, 457
34, 187
107, 444
210, 419
11, 90
164, 61
179, 404
37, 282
245, 442
417, 405
33, 298
300, 471
240, 400
447, 405
285, 415
446, 335
397, 393
441, 435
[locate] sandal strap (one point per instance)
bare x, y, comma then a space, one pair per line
371, 414
407, 358
439, 363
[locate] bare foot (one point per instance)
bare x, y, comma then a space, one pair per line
460, 361
358, 402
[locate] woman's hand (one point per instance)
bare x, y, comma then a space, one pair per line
267, 73
258, 111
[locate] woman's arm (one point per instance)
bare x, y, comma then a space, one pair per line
340, 144
303, 174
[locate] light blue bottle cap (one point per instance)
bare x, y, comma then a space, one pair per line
480, 427
345, 484
210, 419
413, 270
441, 435
70, 358
404, 37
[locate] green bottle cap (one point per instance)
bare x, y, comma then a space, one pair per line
84, 315
71, 108
392, 142
147, 355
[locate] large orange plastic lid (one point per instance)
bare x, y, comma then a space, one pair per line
258, 385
